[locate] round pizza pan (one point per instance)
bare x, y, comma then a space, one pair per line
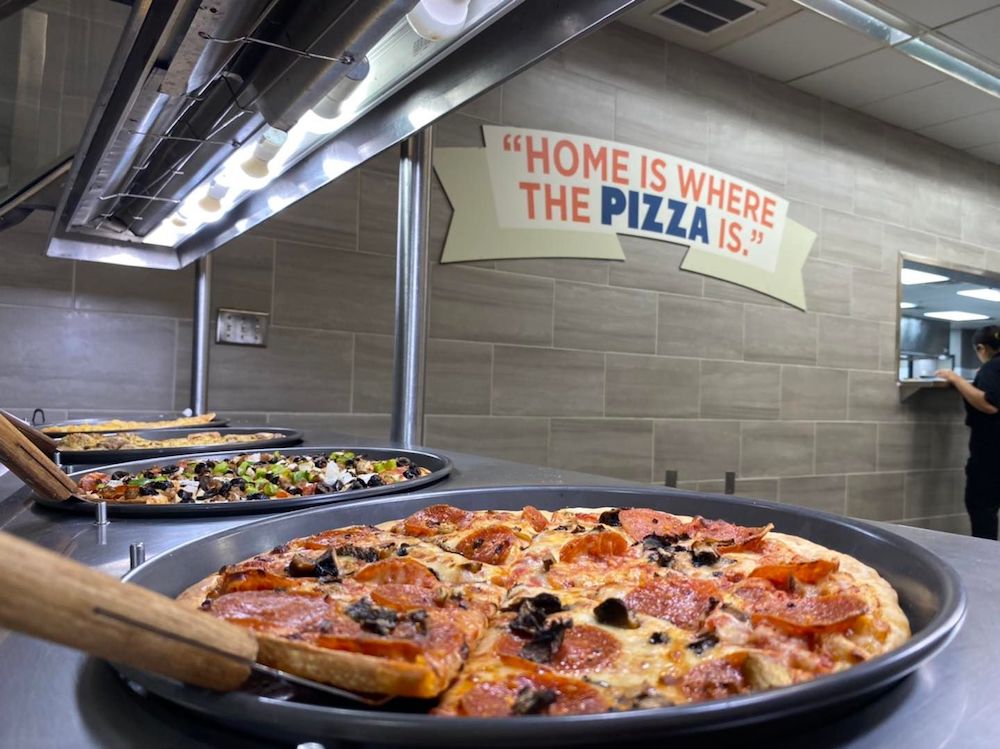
439, 465
214, 423
287, 438
929, 592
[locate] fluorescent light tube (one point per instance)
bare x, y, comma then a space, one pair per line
913, 277
987, 295
907, 305
956, 316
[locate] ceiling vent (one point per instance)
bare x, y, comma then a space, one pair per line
707, 16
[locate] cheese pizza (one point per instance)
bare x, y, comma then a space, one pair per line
503, 613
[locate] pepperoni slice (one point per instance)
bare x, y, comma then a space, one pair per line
715, 679
436, 519
598, 545
813, 614
400, 570
491, 544
275, 612
805, 572
402, 597
512, 696
255, 579
89, 482
640, 522
357, 536
682, 601
534, 516
727, 536
584, 648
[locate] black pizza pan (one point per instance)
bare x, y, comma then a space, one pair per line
439, 465
286, 438
929, 591
213, 424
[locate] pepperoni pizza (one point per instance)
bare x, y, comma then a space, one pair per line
496, 613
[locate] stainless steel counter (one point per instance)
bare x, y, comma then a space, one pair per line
54, 697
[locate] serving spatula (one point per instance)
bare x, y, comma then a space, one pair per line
26, 460
54, 598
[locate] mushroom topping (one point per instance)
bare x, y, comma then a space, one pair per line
545, 641
703, 642
704, 554
324, 565
531, 701
372, 618
762, 672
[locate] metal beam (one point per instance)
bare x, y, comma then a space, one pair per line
412, 226
200, 342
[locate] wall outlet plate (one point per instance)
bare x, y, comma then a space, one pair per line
240, 327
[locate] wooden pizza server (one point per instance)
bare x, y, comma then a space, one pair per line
54, 598
29, 463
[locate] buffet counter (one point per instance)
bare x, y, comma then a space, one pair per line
52, 696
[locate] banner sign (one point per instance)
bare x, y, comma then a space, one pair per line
536, 193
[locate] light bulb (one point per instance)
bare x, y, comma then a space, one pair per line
437, 20
266, 149
211, 202
325, 117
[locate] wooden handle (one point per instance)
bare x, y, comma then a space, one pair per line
30, 465
49, 596
39, 439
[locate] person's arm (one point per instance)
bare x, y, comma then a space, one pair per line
975, 397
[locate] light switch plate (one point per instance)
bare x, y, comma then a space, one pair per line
241, 327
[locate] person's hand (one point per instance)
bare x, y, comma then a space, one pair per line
948, 375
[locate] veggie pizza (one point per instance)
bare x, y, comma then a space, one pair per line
506, 613
248, 477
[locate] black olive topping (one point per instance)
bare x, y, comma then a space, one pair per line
238, 483
703, 643
200, 468
400, 462
659, 638
119, 475
372, 618
185, 497
614, 613
320, 461
169, 469
610, 517
375, 480
411, 473
256, 496
531, 701
147, 491
357, 484
403, 550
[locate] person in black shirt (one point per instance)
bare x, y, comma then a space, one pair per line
982, 415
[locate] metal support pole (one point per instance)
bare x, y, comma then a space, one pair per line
411, 289
202, 323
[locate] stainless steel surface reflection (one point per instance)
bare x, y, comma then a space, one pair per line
51, 696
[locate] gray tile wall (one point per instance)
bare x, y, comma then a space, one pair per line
626, 369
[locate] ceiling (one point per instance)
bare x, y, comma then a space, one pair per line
808, 51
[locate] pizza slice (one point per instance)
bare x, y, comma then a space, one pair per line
361, 608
